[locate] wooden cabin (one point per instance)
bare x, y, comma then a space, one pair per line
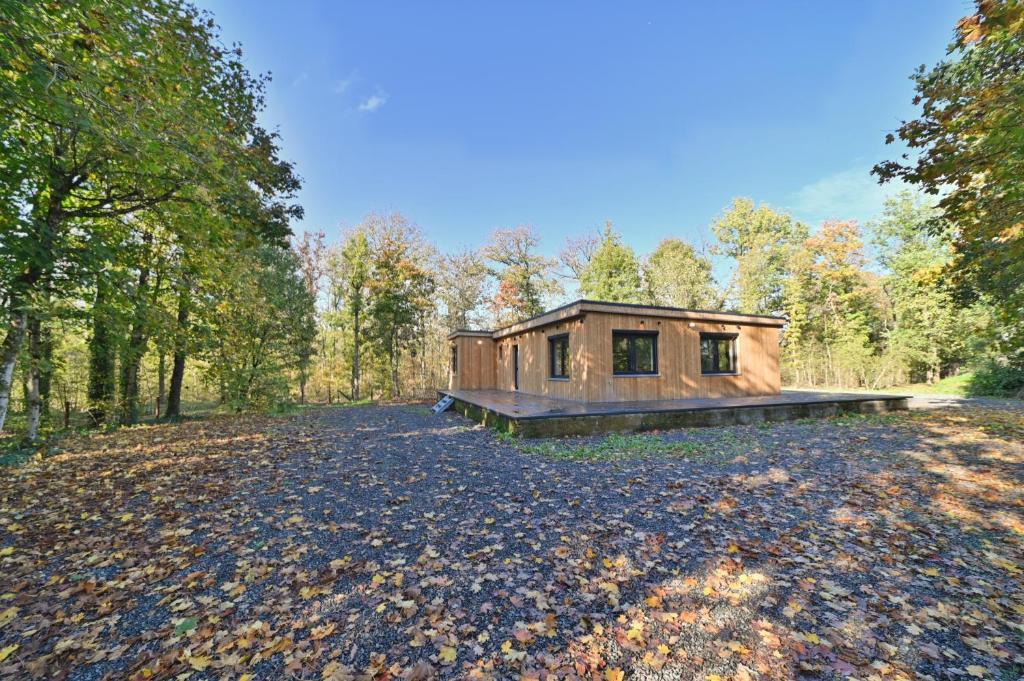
594, 351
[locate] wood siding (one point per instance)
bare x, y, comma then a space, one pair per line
534, 362
475, 363
679, 375
486, 363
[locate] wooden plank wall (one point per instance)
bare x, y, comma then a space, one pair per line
678, 360
591, 378
476, 364
534, 369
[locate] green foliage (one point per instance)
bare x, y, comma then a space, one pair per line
996, 379
400, 289
613, 273
263, 311
928, 331
761, 240
832, 304
970, 154
678, 276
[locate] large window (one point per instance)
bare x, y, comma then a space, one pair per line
558, 351
718, 353
634, 352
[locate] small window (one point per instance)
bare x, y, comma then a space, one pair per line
635, 352
718, 353
455, 359
558, 351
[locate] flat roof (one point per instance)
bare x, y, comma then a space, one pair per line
582, 306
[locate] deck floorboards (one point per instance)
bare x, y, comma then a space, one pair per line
521, 406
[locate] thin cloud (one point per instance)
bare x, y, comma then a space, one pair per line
373, 102
848, 194
342, 86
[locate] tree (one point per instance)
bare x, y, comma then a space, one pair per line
462, 288
524, 278
110, 109
761, 240
263, 312
400, 288
577, 252
929, 333
678, 276
970, 154
613, 273
833, 304
311, 251
350, 275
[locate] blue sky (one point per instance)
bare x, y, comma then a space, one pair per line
471, 116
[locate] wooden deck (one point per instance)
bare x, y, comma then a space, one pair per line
539, 416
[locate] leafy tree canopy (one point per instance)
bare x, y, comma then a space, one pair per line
613, 273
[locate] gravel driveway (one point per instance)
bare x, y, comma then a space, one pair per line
388, 542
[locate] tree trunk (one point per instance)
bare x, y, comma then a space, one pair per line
131, 360
101, 360
36, 275
161, 381
330, 367
395, 391
356, 378
35, 351
9, 357
180, 349
46, 371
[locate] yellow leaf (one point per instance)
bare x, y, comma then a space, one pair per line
812, 638
245, 677
8, 615
6, 652
663, 649
733, 548
317, 633
199, 663
614, 674
6, 551
975, 670
448, 654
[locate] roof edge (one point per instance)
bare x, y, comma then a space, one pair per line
582, 305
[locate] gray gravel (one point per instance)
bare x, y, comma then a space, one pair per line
756, 541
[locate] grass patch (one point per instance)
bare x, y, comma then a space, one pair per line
848, 420
611, 448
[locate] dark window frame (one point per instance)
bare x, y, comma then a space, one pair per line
733, 339
561, 339
632, 335
455, 359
